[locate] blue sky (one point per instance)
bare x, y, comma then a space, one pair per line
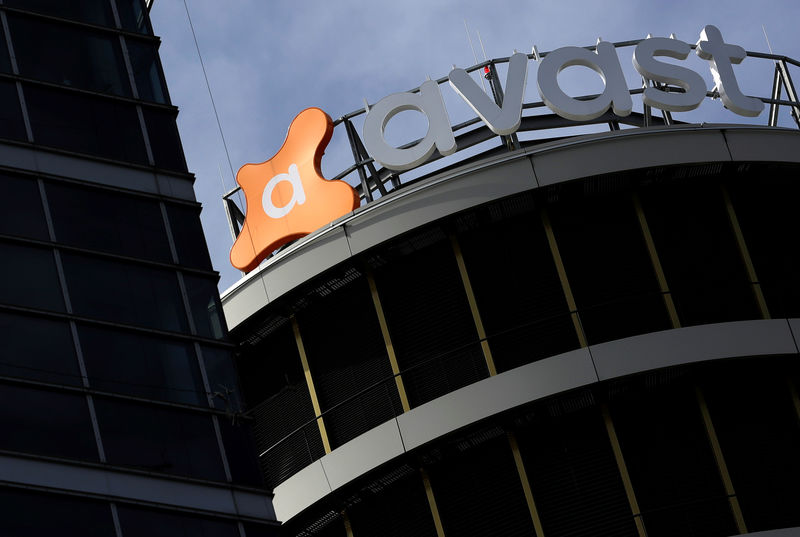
269, 59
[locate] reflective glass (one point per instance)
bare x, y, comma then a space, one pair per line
237, 437
91, 11
184, 221
149, 80
28, 277
164, 139
101, 220
125, 293
205, 305
159, 439
138, 522
37, 348
139, 365
12, 125
5, 61
86, 124
21, 211
222, 378
26, 513
46, 423
69, 55
133, 16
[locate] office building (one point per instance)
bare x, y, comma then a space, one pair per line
590, 334
117, 385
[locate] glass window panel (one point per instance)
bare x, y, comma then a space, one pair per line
522, 304
698, 251
101, 220
133, 16
69, 55
138, 522
39, 349
164, 139
91, 11
124, 293
85, 124
141, 365
205, 305
607, 263
159, 439
188, 234
26, 513
5, 60
12, 125
222, 378
21, 211
46, 423
237, 437
29, 277
146, 70
259, 530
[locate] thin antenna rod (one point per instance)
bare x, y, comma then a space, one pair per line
474, 56
764, 29
479, 40
208, 86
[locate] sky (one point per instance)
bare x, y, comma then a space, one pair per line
267, 60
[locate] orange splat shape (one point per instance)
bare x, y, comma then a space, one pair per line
287, 197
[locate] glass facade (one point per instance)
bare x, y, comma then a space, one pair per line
114, 355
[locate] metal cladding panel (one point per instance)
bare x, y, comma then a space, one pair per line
794, 325
244, 301
362, 454
774, 145
495, 394
305, 488
410, 210
96, 172
692, 344
311, 259
641, 149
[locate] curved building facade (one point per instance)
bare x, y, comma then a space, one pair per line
594, 335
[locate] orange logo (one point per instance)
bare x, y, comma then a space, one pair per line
287, 197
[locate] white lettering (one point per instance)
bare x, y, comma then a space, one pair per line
644, 61
298, 194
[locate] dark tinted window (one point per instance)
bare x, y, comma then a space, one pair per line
69, 55
763, 197
140, 365
607, 264
30, 514
429, 319
339, 302
668, 455
164, 139
92, 11
21, 211
138, 522
102, 220
237, 437
5, 61
146, 71
697, 248
28, 277
124, 293
521, 303
222, 379
188, 235
12, 125
85, 124
46, 422
160, 439
37, 348
133, 16
205, 305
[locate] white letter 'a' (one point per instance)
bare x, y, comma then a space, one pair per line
505, 120
298, 194
605, 63
439, 136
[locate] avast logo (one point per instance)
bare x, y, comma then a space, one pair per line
287, 197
